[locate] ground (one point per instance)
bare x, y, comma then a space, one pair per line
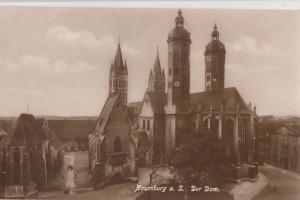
286, 183
83, 189
191, 196
126, 191
123, 191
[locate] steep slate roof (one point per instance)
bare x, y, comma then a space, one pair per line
157, 73
24, 131
106, 110
228, 96
157, 101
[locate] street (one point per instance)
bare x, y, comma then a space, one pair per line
287, 186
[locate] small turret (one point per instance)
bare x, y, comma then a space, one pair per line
156, 82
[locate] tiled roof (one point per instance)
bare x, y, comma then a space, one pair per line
72, 128
24, 131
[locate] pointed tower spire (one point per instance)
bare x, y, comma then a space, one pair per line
157, 68
119, 58
156, 82
118, 80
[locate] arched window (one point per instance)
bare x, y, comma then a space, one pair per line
242, 146
144, 125
205, 124
228, 136
228, 130
148, 124
16, 166
117, 145
214, 126
98, 151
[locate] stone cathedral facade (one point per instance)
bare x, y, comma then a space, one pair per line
169, 111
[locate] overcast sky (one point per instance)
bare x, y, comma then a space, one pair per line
56, 60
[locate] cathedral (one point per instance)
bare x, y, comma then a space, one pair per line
169, 111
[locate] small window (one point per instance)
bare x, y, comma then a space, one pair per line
144, 124
148, 125
117, 145
170, 71
214, 78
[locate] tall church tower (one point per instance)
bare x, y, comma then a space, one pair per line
178, 62
118, 76
178, 92
157, 80
214, 62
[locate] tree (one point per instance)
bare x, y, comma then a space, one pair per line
200, 159
153, 174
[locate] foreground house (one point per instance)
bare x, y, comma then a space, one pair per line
284, 146
24, 156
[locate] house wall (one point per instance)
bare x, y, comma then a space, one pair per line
285, 149
146, 123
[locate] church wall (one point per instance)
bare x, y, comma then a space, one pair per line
118, 126
157, 137
169, 134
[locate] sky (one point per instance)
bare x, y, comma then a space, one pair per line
55, 61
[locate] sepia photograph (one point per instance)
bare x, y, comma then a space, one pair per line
149, 103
